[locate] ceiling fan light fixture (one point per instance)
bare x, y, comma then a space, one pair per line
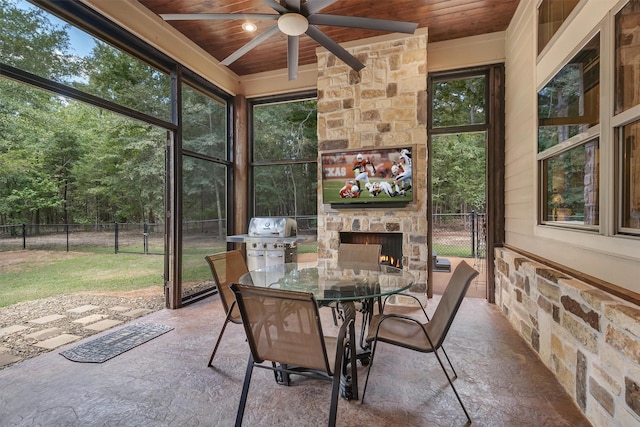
249, 27
293, 24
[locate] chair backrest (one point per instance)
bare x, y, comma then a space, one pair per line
283, 326
449, 303
227, 267
355, 252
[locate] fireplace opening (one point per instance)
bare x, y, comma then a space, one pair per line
391, 253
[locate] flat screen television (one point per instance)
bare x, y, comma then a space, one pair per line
371, 177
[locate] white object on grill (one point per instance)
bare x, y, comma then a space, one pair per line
272, 227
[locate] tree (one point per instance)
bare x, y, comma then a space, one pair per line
458, 162
458, 159
282, 133
27, 38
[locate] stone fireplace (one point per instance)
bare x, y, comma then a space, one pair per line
383, 105
391, 243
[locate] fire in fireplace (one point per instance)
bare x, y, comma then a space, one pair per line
391, 253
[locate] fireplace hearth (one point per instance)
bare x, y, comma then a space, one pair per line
391, 253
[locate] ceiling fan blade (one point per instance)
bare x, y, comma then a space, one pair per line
273, 4
312, 6
216, 16
247, 47
293, 5
292, 56
333, 47
364, 23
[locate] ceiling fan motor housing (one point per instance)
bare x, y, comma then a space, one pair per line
293, 24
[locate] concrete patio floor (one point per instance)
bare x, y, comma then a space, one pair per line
165, 382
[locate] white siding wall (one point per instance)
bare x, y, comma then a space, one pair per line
613, 259
520, 131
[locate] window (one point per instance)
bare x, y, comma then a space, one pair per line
628, 57
569, 103
551, 15
460, 102
45, 45
119, 148
205, 123
627, 118
285, 160
570, 179
630, 177
205, 184
568, 142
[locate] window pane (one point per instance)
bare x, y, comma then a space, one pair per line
285, 131
569, 103
628, 57
571, 182
38, 42
458, 172
631, 176
286, 190
204, 222
205, 124
65, 161
460, 102
551, 15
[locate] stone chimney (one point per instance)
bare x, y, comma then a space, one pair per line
383, 105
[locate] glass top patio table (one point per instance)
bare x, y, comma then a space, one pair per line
333, 282
344, 283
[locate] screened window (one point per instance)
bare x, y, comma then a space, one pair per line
205, 183
461, 102
96, 162
205, 123
285, 159
42, 44
285, 131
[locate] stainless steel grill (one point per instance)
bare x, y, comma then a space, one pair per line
270, 241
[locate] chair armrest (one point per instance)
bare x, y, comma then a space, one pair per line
384, 317
384, 303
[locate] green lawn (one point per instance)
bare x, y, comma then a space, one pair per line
452, 250
43, 274
31, 275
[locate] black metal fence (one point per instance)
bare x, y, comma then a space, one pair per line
460, 235
142, 238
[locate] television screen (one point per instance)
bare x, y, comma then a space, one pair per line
377, 177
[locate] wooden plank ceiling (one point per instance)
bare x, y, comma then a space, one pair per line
445, 20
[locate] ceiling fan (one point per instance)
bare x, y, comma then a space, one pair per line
297, 17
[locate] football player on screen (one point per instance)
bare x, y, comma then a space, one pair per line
350, 190
380, 187
360, 169
402, 180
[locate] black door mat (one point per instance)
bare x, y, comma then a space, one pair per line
115, 343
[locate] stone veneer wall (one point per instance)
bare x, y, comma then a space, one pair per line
383, 105
588, 338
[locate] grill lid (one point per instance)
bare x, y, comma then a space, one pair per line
272, 227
